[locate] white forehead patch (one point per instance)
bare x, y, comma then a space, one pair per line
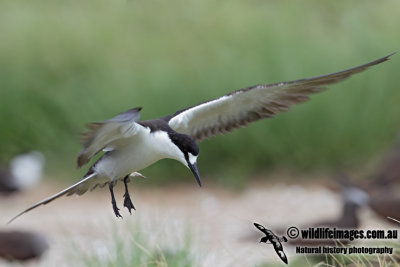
192, 158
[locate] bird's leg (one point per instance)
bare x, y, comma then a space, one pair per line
127, 198
114, 204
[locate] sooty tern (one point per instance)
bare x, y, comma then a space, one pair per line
131, 145
22, 245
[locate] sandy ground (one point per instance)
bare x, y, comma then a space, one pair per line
220, 221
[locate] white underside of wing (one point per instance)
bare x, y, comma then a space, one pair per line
182, 120
229, 111
211, 112
244, 106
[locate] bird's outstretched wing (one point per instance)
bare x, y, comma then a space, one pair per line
241, 107
261, 228
108, 135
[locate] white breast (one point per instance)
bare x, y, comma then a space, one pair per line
140, 151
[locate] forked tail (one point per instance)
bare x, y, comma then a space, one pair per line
53, 197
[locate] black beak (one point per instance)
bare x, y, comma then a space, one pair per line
193, 168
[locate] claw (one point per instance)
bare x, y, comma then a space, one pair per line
128, 202
114, 204
127, 198
116, 210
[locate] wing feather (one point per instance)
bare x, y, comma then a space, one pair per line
107, 135
241, 107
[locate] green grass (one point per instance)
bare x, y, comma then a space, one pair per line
132, 247
63, 64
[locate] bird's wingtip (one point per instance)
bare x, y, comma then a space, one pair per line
388, 56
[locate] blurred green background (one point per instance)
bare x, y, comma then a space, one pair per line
66, 63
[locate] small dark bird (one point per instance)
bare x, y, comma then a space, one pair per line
130, 145
386, 204
20, 245
274, 240
7, 181
383, 199
353, 199
389, 172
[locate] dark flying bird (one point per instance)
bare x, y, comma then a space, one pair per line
274, 240
131, 145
